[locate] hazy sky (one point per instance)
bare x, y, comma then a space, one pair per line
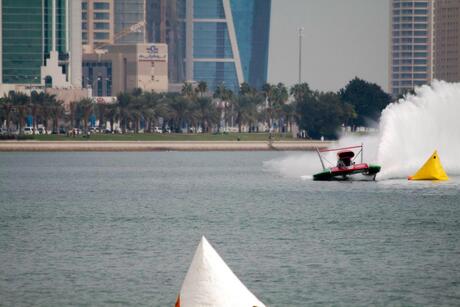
342, 39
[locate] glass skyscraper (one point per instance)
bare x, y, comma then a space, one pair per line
37, 42
217, 41
230, 42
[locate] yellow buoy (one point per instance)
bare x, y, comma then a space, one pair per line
431, 170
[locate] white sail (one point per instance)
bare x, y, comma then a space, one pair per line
210, 282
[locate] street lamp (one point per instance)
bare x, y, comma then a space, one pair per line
300, 30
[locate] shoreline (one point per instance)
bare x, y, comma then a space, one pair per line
142, 146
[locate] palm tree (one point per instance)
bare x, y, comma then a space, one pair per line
150, 109
20, 102
202, 88
268, 92
73, 114
112, 113
46, 110
124, 101
56, 112
180, 108
225, 96
36, 103
86, 107
280, 95
187, 89
300, 91
7, 108
246, 105
206, 112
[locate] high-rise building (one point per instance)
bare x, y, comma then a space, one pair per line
217, 41
411, 44
40, 43
97, 24
127, 14
447, 40
165, 23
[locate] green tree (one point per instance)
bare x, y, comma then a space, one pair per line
207, 113
187, 90
225, 97
368, 100
57, 113
21, 103
7, 107
201, 89
322, 114
124, 101
86, 108
246, 106
46, 110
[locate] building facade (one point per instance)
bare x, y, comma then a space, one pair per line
97, 24
217, 41
127, 14
40, 43
126, 67
447, 40
411, 55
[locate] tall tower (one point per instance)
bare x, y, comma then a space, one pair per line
447, 40
36, 45
217, 41
411, 56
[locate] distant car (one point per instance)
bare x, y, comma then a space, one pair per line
62, 130
166, 130
76, 131
41, 130
28, 130
157, 130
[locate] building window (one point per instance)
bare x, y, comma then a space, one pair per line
420, 19
420, 54
101, 6
101, 26
421, 12
420, 76
84, 5
101, 35
421, 4
420, 33
101, 16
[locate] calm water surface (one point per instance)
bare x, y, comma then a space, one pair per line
121, 229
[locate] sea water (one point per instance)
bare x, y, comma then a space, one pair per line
120, 229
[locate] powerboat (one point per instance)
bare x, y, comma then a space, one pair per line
346, 167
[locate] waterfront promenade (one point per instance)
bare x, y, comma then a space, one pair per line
120, 146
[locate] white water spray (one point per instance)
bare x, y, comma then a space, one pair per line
410, 130
413, 128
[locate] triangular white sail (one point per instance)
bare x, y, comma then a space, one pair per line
210, 282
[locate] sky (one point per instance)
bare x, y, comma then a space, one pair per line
342, 39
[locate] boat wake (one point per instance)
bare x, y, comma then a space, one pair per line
409, 132
412, 128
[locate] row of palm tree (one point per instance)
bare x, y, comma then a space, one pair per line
41, 107
195, 108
